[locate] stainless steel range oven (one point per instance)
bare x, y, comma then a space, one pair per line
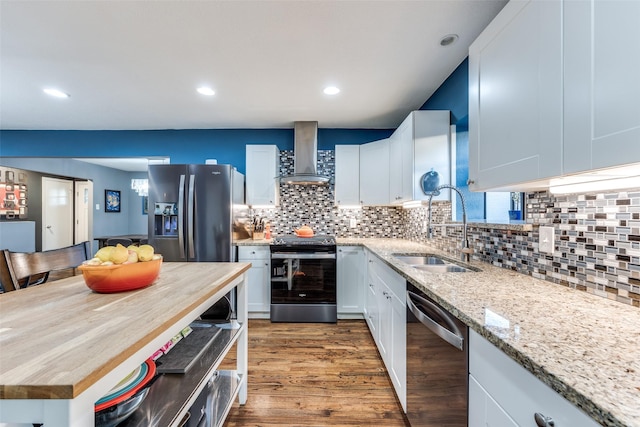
303, 279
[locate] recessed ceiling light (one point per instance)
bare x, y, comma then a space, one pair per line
206, 91
57, 93
449, 39
331, 90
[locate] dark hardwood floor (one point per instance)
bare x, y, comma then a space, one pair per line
310, 374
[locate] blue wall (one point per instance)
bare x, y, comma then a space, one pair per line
453, 95
182, 146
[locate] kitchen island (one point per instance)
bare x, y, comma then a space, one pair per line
62, 346
584, 347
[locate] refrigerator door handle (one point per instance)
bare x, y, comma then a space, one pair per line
181, 216
190, 217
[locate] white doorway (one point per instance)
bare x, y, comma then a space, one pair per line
57, 213
83, 201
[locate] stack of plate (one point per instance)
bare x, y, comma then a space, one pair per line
122, 400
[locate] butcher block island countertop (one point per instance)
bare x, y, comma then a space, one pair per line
60, 340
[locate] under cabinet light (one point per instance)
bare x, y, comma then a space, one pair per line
597, 186
412, 204
615, 178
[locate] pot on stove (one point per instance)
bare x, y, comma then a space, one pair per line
304, 231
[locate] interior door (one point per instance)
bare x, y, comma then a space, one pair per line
57, 213
82, 209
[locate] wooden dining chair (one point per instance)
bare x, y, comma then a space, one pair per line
114, 241
22, 269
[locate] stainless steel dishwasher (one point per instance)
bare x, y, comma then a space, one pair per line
437, 364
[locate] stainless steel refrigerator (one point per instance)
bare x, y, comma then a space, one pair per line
191, 211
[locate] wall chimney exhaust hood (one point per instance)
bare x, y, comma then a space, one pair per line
305, 156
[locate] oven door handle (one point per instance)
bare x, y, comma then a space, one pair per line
452, 336
319, 255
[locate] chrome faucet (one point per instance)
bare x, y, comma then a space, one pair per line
465, 251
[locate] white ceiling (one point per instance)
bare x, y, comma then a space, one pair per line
136, 64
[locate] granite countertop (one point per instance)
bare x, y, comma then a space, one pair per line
585, 347
251, 242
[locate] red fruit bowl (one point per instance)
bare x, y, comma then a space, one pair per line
107, 279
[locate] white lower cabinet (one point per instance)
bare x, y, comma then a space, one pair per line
258, 278
386, 316
483, 410
503, 394
371, 311
350, 277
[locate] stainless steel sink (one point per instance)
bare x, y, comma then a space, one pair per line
432, 264
443, 268
420, 260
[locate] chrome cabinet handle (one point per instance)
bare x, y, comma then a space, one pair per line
543, 421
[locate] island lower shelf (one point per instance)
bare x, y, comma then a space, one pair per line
172, 395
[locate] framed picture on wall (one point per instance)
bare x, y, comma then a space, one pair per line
111, 201
145, 205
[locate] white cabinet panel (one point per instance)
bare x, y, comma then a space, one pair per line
517, 392
258, 277
347, 175
421, 144
553, 91
602, 93
371, 311
515, 97
401, 162
351, 276
387, 290
483, 410
262, 164
374, 173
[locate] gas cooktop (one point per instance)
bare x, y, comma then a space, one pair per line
293, 240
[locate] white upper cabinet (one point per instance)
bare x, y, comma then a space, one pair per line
347, 175
374, 173
262, 163
515, 97
602, 90
553, 91
421, 145
401, 162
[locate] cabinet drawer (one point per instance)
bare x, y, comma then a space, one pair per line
517, 391
394, 281
253, 252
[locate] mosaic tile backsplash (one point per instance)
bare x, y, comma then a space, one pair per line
597, 236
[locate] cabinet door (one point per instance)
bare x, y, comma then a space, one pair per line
602, 94
516, 390
385, 332
351, 277
372, 313
515, 97
347, 175
401, 162
398, 369
258, 276
262, 171
432, 151
483, 410
374, 173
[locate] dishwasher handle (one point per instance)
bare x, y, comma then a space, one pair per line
452, 335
